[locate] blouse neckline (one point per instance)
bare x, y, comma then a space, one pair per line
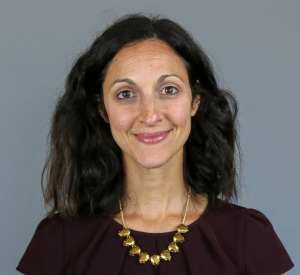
135, 232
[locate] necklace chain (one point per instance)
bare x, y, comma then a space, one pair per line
165, 254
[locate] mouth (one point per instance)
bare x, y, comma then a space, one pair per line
152, 138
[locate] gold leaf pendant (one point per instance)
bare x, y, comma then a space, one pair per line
165, 255
155, 259
135, 250
129, 241
173, 247
125, 232
181, 228
144, 257
178, 238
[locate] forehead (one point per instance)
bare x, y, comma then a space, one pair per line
144, 58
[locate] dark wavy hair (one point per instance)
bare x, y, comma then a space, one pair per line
84, 172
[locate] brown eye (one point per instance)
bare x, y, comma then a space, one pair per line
124, 94
170, 90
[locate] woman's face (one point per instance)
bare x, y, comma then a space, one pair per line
146, 91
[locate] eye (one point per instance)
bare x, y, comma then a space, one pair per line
170, 90
124, 94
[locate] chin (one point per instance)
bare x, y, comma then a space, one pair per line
152, 162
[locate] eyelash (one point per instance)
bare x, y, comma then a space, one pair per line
122, 98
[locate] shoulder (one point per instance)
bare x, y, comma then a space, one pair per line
45, 248
55, 239
248, 232
68, 230
242, 218
237, 222
227, 213
57, 222
232, 213
50, 223
48, 232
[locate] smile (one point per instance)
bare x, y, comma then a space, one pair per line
152, 138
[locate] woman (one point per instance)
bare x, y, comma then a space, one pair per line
141, 172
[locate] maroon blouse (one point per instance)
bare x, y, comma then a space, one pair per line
233, 241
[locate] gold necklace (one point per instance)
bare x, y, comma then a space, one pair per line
165, 254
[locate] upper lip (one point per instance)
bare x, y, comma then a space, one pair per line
151, 135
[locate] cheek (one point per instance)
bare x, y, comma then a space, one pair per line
120, 121
179, 113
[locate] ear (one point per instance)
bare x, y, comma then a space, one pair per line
195, 105
102, 114
196, 102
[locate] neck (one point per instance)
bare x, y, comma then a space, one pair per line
154, 193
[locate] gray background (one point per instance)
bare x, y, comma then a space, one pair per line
254, 46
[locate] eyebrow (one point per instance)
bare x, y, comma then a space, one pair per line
131, 82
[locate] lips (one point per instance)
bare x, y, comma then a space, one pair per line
152, 138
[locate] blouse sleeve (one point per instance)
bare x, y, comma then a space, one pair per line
45, 252
263, 251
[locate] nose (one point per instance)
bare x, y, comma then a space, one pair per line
149, 112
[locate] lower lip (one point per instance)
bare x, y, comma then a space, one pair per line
154, 140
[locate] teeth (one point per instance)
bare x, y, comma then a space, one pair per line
153, 135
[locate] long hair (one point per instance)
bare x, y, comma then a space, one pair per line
84, 173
